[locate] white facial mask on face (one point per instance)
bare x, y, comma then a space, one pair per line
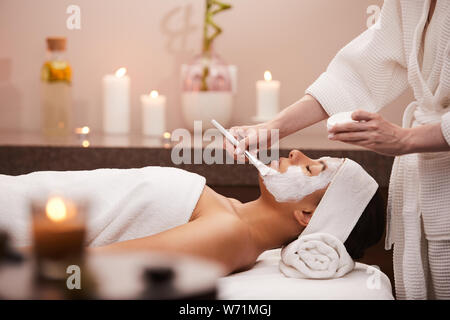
294, 184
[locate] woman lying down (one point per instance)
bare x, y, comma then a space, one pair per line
329, 201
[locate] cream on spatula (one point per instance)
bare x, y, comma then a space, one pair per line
262, 168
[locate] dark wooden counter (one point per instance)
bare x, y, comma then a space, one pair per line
16, 160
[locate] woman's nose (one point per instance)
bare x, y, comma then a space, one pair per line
296, 155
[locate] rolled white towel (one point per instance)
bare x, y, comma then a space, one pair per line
316, 256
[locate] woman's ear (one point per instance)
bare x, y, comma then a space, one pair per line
302, 217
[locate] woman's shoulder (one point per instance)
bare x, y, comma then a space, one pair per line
214, 204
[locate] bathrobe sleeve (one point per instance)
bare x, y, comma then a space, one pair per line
370, 71
445, 127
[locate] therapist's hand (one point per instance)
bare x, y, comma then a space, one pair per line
373, 133
299, 115
249, 138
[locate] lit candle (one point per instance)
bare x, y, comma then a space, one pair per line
85, 143
83, 130
82, 134
116, 102
166, 140
267, 95
58, 229
153, 114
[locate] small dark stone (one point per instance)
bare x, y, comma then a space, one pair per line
159, 275
14, 257
7, 254
3, 243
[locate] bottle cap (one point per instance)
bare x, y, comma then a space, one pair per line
56, 43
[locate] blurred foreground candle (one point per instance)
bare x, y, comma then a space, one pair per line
267, 95
153, 114
59, 228
116, 102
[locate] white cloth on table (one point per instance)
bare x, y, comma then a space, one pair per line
369, 73
264, 281
124, 204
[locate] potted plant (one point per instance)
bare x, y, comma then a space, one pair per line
208, 82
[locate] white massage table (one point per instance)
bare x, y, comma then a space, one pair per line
265, 282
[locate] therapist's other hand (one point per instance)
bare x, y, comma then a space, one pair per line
249, 138
372, 132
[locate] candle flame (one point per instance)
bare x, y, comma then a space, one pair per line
85, 143
83, 130
56, 209
166, 135
154, 94
267, 76
121, 72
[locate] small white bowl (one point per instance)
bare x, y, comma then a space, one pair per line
340, 118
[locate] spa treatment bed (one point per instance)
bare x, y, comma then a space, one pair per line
262, 282
265, 281
134, 188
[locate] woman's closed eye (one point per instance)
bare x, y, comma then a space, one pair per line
314, 169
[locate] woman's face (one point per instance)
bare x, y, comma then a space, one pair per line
296, 158
310, 168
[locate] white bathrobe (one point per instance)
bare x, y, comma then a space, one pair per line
369, 73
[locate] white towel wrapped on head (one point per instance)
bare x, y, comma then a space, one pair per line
316, 256
319, 251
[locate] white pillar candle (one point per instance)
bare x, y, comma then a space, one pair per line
153, 114
116, 103
267, 96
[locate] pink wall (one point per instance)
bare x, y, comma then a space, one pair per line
295, 39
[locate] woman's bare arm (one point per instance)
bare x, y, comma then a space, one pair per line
220, 238
299, 115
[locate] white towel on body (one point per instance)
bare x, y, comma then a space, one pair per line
124, 204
